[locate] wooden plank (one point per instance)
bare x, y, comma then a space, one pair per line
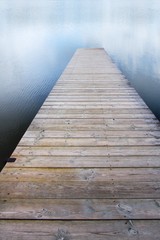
113, 97
90, 230
94, 104
97, 175
95, 127
94, 98
93, 87
89, 142
95, 116
93, 91
89, 134
80, 183
87, 100
124, 104
90, 151
79, 189
95, 94
85, 82
83, 162
80, 209
94, 111
99, 84
95, 107
98, 121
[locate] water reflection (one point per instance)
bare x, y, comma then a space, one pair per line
137, 50
39, 37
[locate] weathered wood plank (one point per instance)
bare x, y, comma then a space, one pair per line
96, 106
82, 142
88, 100
95, 94
82, 162
87, 84
38, 134
80, 183
93, 105
90, 151
90, 230
80, 209
87, 175
94, 127
93, 89
98, 121
95, 116
95, 99
79, 189
94, 111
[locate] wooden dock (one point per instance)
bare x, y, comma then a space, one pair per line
88, 167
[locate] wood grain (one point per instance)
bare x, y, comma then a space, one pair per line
84, 162
90, 230
80, 209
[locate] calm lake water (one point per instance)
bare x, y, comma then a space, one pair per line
38, 38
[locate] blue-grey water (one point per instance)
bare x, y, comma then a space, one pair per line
38, 38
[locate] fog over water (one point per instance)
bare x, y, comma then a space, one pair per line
38, 38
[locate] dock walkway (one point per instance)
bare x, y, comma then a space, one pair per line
88, 167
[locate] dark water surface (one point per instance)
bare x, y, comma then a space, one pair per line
38, 37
